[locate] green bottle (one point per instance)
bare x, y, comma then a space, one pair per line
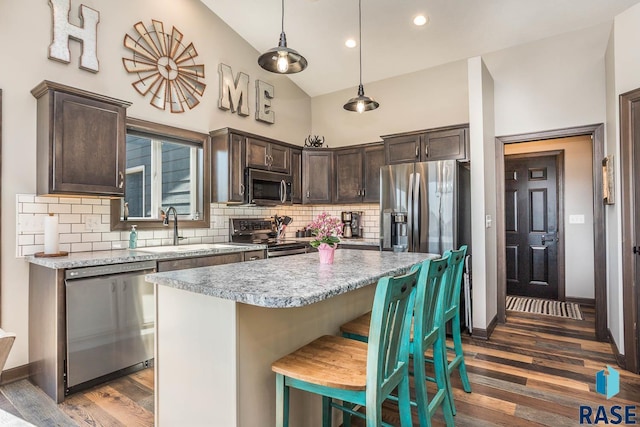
133, 238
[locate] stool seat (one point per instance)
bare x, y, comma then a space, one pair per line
357, 328
330, 361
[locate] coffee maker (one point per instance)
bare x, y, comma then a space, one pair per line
346, 221
352, 224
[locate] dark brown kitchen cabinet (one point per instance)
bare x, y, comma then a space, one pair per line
402, 149
348, 167
446, 143
296, 175
81, 141
263, 154
316, 176
228, 161
234, 151
357, 174
373, 161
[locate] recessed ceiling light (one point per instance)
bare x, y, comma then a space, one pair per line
420, 20
350, 43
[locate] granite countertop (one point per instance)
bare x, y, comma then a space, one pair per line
88, 259
292, 281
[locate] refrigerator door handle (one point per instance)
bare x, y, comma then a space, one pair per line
410, 214
416, 214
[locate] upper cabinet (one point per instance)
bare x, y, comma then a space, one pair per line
357, 173
296, 175
233, 152
228, 161
267, 155
447, 143
316, 175
81, 141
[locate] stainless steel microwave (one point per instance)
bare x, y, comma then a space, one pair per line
268, 188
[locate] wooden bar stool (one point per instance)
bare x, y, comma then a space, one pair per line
428, 315
452, 314
354, 372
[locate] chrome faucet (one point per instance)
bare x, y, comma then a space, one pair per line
165, 222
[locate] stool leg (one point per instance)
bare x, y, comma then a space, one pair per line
441, 375
420, 381
282, 402
346, 417
326, 411
457, 345
404, 405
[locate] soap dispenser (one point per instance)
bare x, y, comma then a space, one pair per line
133, 238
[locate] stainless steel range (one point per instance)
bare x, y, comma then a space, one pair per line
267, 232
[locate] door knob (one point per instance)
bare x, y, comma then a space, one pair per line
550, 238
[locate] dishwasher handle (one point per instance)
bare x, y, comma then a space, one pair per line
107, 270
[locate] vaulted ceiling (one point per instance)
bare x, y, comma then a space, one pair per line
391, 44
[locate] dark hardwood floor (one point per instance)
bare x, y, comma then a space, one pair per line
535, 370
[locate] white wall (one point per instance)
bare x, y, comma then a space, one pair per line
425, 99
483, 197
623, 75
26, 28
578, 200
550, 84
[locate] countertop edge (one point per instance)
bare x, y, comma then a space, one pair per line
119, 256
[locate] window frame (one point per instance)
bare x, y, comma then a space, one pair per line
171, 134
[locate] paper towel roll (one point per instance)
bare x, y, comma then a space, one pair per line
51, 234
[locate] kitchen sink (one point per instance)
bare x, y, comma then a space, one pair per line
187, 248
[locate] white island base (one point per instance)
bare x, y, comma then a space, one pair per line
213, 360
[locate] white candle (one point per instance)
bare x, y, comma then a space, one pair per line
51, 234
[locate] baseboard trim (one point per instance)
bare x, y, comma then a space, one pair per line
484, 334
14, 374
620, 359
588, 302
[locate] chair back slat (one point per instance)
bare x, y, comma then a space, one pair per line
390, 324
429, 300
453, 278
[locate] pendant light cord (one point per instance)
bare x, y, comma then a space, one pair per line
359, 35
282, 16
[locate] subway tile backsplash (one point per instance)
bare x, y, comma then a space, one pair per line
84, 223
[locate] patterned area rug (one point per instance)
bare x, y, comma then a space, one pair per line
568, 310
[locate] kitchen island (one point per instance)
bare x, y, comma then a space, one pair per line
219, 328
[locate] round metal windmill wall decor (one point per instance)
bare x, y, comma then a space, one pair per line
166, 68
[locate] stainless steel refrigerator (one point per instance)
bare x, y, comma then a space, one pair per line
425, 207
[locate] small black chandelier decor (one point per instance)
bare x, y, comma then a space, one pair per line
361, 103
282, 59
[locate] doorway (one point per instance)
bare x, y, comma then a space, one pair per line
630, 206
533, 219
596, 134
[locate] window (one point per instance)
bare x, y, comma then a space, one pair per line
166, 167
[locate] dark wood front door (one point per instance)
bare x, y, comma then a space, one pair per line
531, 222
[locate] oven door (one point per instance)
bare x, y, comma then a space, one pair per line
278, 251
268, 188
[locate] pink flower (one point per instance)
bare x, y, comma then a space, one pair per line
326, 229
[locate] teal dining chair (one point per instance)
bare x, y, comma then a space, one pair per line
346, 372
428, 315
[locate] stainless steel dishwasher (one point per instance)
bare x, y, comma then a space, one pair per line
110, 322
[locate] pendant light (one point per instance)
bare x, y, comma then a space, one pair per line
361, 103
281, 59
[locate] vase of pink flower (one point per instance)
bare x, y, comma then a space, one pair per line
326, 231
